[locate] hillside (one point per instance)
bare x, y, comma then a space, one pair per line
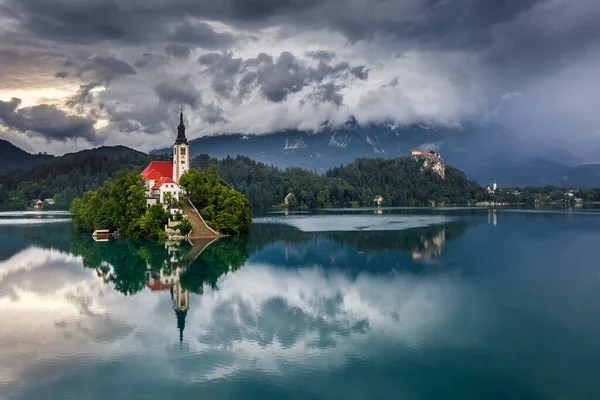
12, 157
67, 177
399, 180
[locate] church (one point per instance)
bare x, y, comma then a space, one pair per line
162, 177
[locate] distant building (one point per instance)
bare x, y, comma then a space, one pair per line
378, 200
431, 153
38, 204
50, 201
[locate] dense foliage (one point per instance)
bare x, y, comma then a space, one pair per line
225, 210
398, 180
67, 177
120, 207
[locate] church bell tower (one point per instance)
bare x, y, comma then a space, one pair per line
181, 152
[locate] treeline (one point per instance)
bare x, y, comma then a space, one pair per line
546, 194
67, 177
399, 181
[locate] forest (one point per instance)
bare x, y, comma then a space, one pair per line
399, 181
66, 177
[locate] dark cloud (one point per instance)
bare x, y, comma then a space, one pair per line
212, 114
321, 55
95, 72
103, 70
202, 35
178, 92
151, 60
178, 50
47, 121
328, 92
468, 50
437, 24
210, 58
275, 78
283, 77
360, 72
224, 69
149, 120
82, 97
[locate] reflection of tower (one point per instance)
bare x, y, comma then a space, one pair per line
168, 278
181, 301
492, 216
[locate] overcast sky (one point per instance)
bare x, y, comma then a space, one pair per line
81, 73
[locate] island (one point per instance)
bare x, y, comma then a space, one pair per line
168, 199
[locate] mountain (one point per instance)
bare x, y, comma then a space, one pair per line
12, 157
483, 151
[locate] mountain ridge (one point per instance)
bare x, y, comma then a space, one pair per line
485, 152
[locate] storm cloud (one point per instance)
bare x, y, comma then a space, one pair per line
178, 92
253, 67
47, 121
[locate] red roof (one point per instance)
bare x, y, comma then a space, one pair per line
163, 180
163, 168
156, 286
153, 175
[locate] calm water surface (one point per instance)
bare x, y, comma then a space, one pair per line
388, 304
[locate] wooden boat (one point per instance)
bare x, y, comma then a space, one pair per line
101, 234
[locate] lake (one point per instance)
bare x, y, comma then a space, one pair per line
405, 303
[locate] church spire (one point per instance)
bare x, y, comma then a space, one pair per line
181, 139
181, 314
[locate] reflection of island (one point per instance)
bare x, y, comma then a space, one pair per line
168, 278
176, 267
355, 251
430, 247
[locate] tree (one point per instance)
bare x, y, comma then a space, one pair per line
184, 227
225, 210
168, 198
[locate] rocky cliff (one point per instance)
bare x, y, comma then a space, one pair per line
433, 162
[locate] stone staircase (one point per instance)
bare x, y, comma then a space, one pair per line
199, 228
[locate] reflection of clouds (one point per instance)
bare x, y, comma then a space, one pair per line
262, 318
333, 223
267, 305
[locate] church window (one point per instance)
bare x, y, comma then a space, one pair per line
183, 151
183, 161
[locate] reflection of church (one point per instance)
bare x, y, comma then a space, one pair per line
168, 278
